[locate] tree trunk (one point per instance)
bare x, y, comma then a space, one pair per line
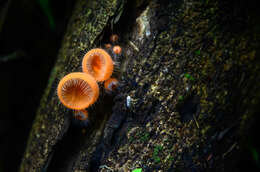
188, 89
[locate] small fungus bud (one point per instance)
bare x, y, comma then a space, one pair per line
117, 49
110, 85
114, 38
107, 46
81, 118
81, 114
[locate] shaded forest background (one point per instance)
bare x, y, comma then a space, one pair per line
30, 36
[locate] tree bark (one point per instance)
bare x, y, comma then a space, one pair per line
189, 80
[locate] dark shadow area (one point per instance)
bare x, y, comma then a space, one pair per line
30, 38
66, 152
189, 108
68, 148
239, 17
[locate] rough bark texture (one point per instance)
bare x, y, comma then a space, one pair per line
188, 90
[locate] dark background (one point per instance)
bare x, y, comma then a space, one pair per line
30, 35
30, 38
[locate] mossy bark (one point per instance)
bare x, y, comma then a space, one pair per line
189, 76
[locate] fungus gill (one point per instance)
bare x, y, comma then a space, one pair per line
78, 90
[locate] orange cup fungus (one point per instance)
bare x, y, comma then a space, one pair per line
78, 90
98, 63
117, 49
111, 84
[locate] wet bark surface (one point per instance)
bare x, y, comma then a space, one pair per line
188, 76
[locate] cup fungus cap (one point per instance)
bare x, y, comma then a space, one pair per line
98, 63
78, 90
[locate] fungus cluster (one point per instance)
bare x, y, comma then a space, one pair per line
79, 90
